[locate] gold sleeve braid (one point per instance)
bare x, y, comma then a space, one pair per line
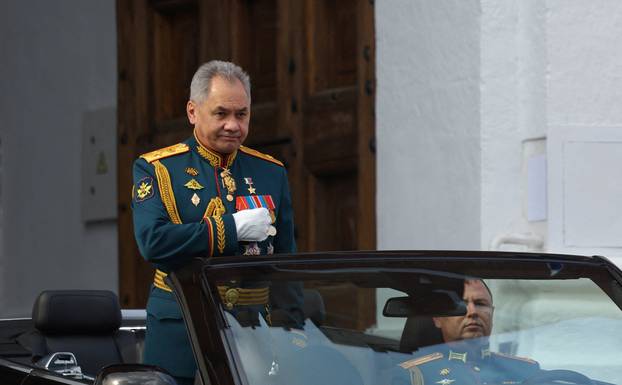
215, 210
220, 230
166, 191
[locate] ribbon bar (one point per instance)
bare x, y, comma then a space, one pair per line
254, 202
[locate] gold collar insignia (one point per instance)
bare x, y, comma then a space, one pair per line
213, 157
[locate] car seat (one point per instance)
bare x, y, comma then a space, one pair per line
85, 323
419, 331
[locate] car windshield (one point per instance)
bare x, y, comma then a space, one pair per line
423, 322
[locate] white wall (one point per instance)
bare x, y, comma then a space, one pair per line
59, 61
428, 124
513, 110
468, 91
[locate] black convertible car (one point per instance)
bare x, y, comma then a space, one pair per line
364, 318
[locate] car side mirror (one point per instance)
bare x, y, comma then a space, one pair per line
132, 374
437, 303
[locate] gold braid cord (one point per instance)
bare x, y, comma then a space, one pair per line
215, 207
220, 230
166, 191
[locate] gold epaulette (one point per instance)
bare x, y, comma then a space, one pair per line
165, 152
260, 155
421, 360
524, 359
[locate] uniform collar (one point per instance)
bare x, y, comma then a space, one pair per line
214, 158
469, 350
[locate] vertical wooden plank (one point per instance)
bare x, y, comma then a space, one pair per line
290, 85
132, 115
366, 148
366, 125
214, 30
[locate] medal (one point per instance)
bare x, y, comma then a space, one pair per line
229, 183
271, 231
249, 182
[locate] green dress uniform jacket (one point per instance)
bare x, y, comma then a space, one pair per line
446, 365
183, 199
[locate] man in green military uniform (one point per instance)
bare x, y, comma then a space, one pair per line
465, 357
207, 197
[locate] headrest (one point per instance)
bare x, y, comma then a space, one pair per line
77, 312
419, 331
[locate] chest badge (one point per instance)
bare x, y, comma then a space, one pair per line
249, 182
192, 171
229, 183
192, 184
444, 372
195, 199
445, 381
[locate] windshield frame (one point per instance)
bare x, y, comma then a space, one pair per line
210, 333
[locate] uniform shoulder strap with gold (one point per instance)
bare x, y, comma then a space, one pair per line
165, 152
421, 360
260, 155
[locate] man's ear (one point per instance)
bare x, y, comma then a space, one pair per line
191, 111
437, 322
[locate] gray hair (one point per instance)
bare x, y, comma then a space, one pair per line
202, 79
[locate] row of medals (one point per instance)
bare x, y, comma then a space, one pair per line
229, 183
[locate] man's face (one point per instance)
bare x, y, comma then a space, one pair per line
478, 320
221, 120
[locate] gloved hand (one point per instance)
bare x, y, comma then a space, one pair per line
252, 224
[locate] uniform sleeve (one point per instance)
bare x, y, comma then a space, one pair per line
169, 244
284, 241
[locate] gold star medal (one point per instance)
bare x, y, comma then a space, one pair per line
249, 182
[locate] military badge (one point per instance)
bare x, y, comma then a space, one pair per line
144, 189
192, 184
195, 199
445, 381
192, 171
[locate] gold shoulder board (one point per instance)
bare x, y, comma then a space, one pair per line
421, 360
524, 359
260, 155
165, 152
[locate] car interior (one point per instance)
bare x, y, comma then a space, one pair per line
89, 325
85, 323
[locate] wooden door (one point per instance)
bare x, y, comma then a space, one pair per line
311, 64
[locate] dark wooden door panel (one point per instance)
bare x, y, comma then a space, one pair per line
312, 69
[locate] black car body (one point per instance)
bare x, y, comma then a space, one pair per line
365, 313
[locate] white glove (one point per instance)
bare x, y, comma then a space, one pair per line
252, 224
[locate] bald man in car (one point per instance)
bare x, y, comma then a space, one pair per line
465, 358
